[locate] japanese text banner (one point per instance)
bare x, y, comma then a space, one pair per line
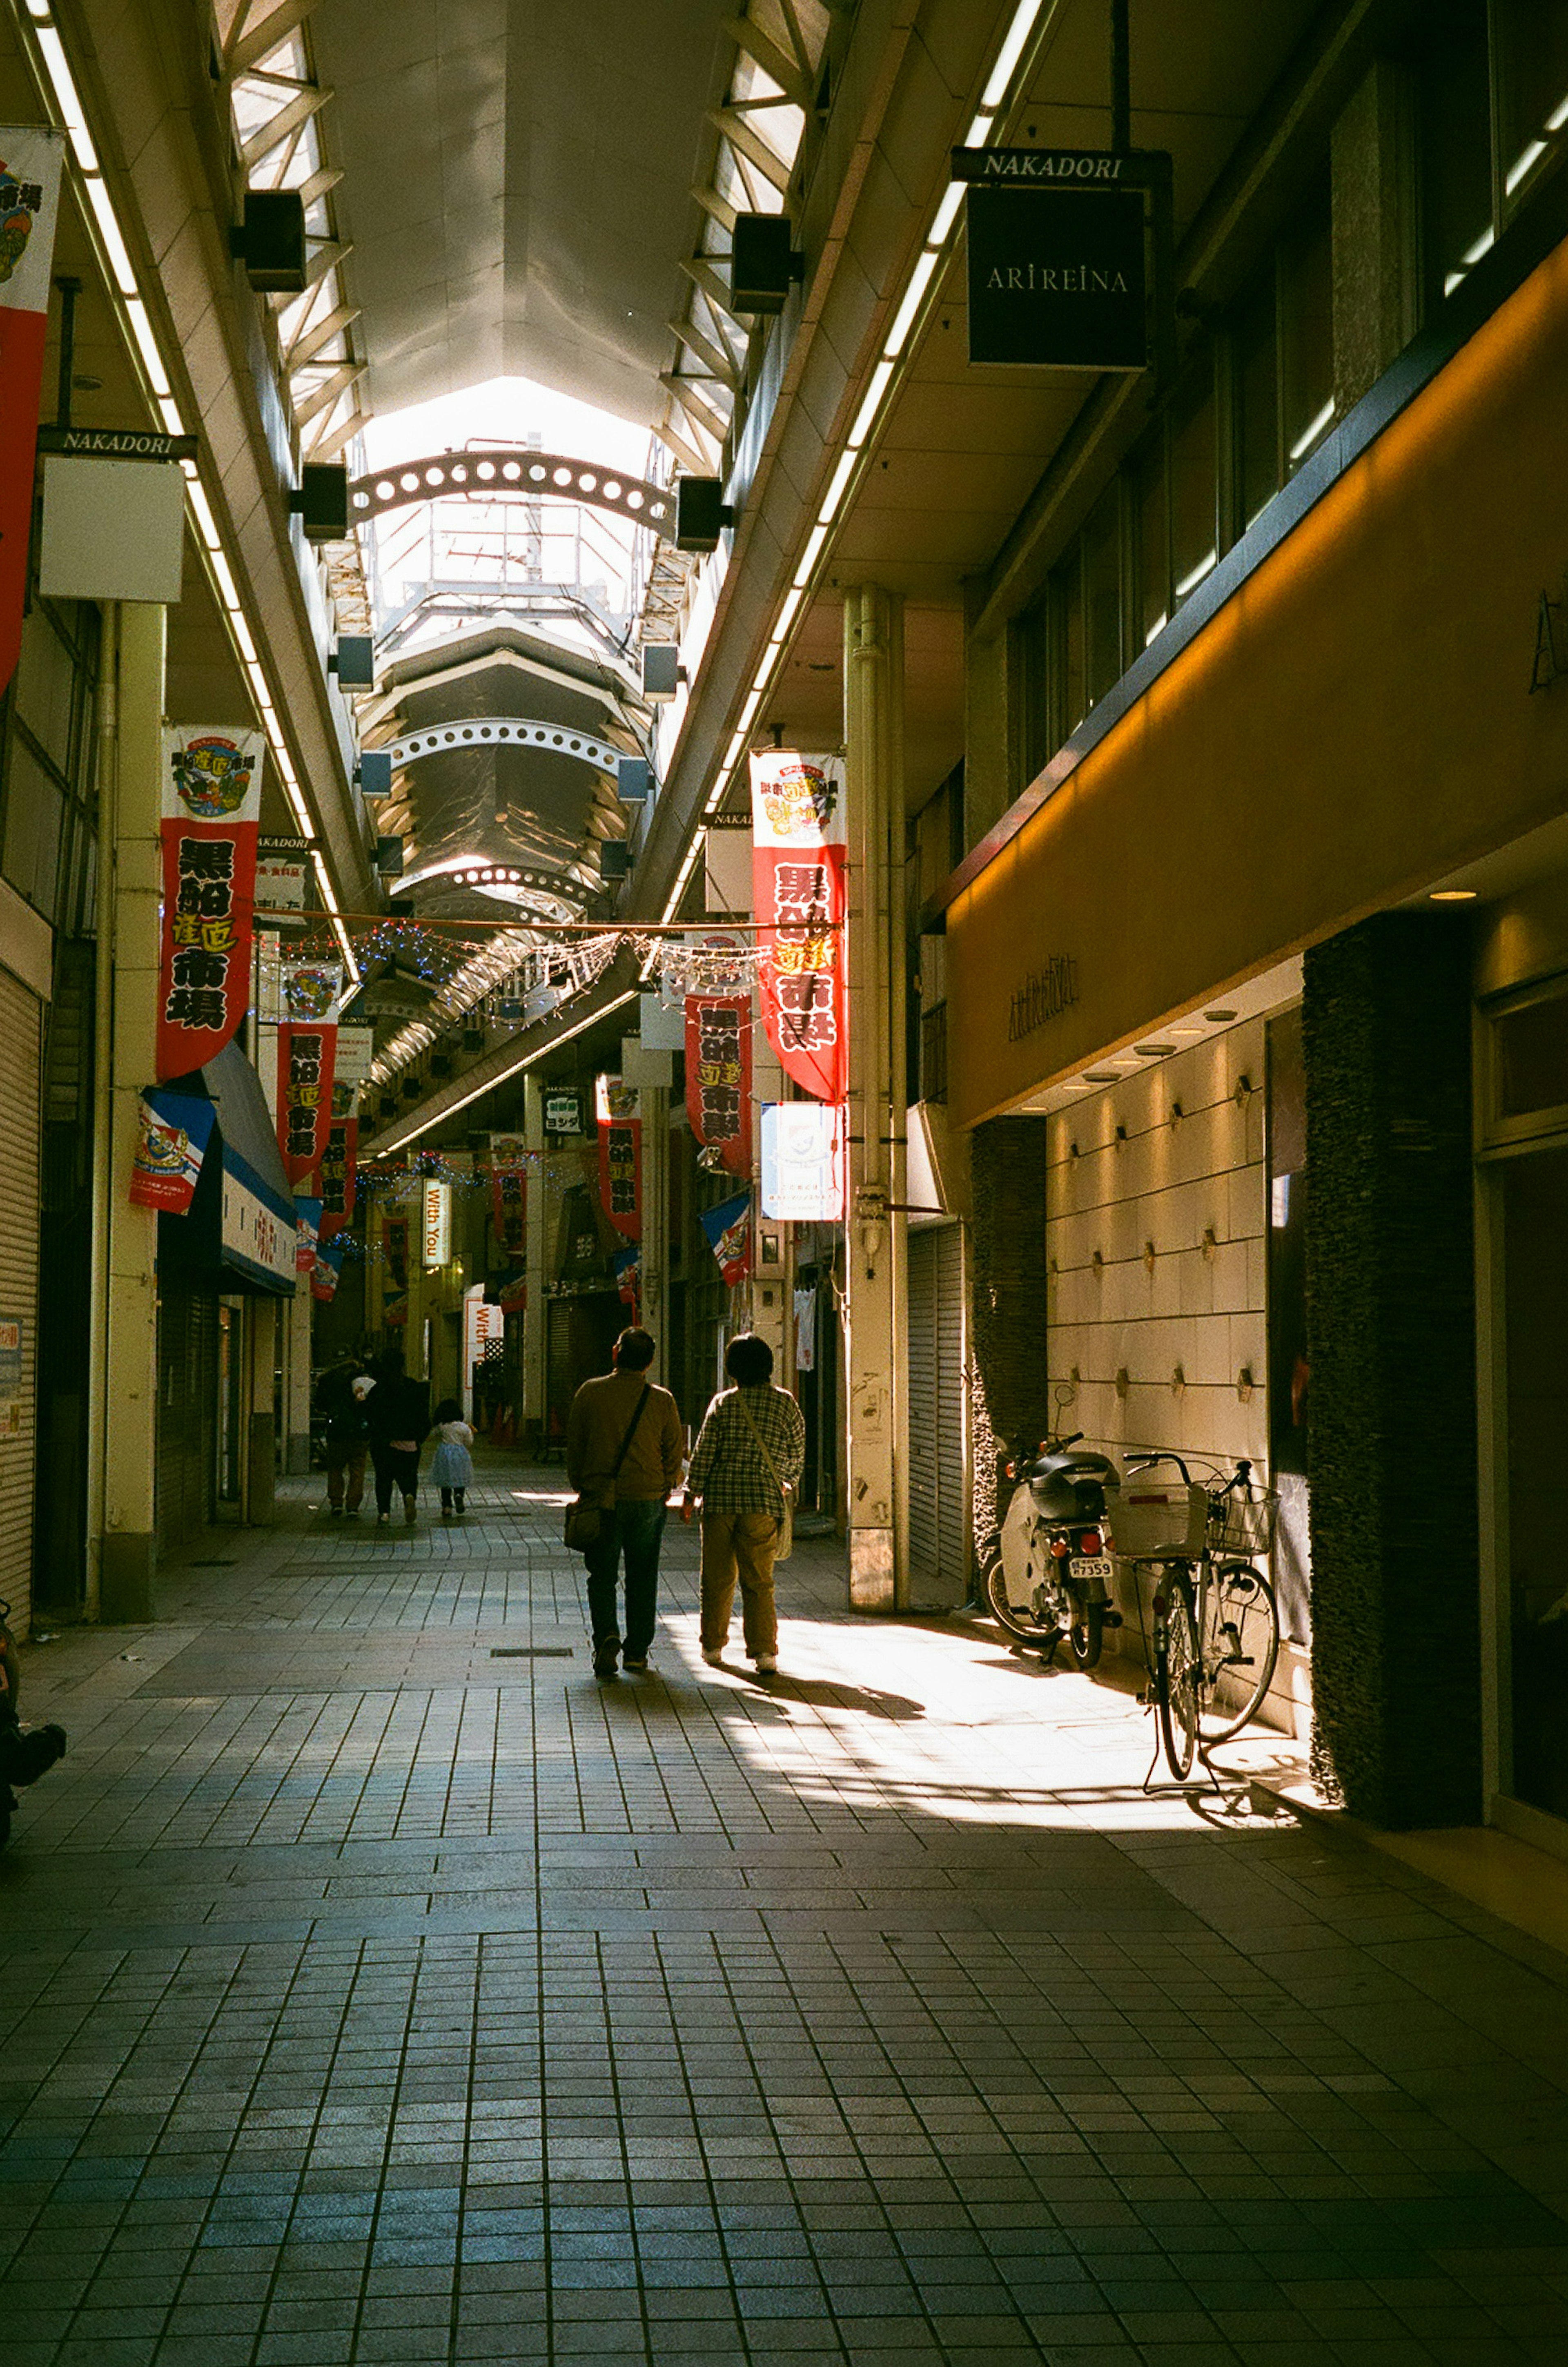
29, 205
620, 1156
798, 868
307, 1047
718, 1075
339, 1175
212, 804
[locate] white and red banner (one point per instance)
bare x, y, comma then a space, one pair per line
307, 1046
212, 804
798, 870
718, 1075
30, 207
620, 1156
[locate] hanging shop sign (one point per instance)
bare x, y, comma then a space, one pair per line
484, 1325
325, 1271
620, 1156
30, 208
509, 1193
1056, 273
211, 801
307, 1051
340, 1170
564, 1112
280, 874
174, 1130
803, 1162
797, 855
729, 1229
308, 1220
718, 1075
435, 1218
355, 1050
258, 1230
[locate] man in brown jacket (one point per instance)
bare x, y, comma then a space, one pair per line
623, 1419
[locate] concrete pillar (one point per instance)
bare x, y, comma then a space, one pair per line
535, 1314
261, 1443
129, 857
653, 1108
876, 1314
1375, 229
299, 1312
1009, 1379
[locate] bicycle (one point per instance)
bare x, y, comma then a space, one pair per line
1215, 1621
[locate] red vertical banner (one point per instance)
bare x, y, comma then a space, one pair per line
339, 1175
718, 1075
30, 207
211, 805
306, 1053
620, 1156
798, 869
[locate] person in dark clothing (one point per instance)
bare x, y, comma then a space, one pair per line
397, 1412
343, 1401
624, 1445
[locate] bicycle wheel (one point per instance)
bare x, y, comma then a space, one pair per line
1087, 1632
1178, 1677
1240, 1645
1016, 1623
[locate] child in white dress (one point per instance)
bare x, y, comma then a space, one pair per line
452, 1467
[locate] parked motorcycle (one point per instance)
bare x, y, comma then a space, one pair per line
26, 1752
1050, 1568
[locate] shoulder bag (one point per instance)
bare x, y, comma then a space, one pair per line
585, 1521
786, 1546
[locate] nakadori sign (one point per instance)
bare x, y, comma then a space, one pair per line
718, 1075
211, 801
339, 1175
620, 1156
173, 1133
798, 859
1057, 273
307, 1046
30, 207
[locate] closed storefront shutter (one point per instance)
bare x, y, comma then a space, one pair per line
187, 1413
939, 1509
19, 1072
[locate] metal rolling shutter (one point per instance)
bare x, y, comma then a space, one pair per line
20, 1061
187, 1411
939, 1510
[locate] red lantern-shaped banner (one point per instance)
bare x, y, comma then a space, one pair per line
620, 1156
798, 862
211, 805
29, 205
718, 1075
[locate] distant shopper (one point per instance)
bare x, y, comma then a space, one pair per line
398, 1410
452, 1467
344, 1398
753, 1448
624, 1445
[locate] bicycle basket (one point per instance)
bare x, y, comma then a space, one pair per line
1243, 1524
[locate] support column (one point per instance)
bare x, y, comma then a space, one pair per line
1390, 1339
299, 1312
531, 1408
1009, 1357
876, 1314
124, 1446
261, 1453
653, 1108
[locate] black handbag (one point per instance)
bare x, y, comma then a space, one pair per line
585, 1521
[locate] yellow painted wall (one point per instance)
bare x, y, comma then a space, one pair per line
1355, 722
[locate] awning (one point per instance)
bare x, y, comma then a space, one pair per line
240, 1231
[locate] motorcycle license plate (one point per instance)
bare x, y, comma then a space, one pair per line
1093, 1566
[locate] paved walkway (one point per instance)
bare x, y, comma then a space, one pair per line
378, 1986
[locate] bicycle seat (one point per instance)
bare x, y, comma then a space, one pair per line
1072, 1486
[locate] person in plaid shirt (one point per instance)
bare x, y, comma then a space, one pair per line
740, 1498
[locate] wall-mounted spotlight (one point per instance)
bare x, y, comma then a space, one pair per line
700, 512
763, 263
354, 661
270, 242
320, 501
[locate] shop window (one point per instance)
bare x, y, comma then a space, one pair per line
1530, 53
1071, 705
1194, 523
47, 808
1530, 1060
1256, 365
1306, 331
1493, 83
1153, 540
1102, 595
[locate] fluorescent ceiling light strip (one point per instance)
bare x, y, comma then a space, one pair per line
169, 412
835, 492
979, 130
881, 378
108, 231
65, 81
810, 555
946, 214
1011, 50
141, 330
903, 319
206, 522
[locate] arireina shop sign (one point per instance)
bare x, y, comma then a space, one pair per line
1056, 244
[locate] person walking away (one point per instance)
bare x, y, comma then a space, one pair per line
624, 1445
752, 1448
398, 1410
348, 1442
451, 1466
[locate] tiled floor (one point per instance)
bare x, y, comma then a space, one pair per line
369, 1997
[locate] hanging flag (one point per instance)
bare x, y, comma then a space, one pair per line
175, 1131
798, 874
325, 1270
395, 1309
718, 1075
806, 1330
211, 805
30, 207
509, 1193
307, 1045
340, 1169
627, 1265
729, 1229
620, 1156
307, 1233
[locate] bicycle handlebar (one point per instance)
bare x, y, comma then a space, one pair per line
1145, 1462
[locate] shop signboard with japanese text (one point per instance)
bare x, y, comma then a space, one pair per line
339, 1175
211, 805
798, 856
803, 1162
620, 1156
718, 1075
307, 1052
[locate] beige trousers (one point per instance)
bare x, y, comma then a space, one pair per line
740, 1544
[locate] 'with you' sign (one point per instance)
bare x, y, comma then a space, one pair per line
797, 860
211, 805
